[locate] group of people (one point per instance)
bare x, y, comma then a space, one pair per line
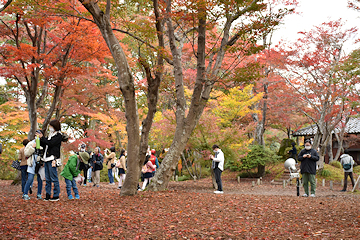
44, 167
308, 158
41, 157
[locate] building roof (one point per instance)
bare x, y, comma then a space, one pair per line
353, 126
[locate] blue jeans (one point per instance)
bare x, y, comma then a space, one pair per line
51, 176
24, 176
71, 184
110, 175
30, 181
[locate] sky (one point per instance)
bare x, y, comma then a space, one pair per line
313, 13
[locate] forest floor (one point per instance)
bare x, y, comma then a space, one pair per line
188, 210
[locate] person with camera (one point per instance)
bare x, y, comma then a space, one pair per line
97, 160
110, 157
308, 158
52, 160
33, 165
218, 166
84, 164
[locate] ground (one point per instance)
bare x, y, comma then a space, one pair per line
188, 210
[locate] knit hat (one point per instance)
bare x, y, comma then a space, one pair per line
84, 156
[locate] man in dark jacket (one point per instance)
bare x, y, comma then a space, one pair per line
308, 158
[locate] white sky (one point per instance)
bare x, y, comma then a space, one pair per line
313, 13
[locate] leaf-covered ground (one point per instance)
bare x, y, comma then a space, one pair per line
189, 210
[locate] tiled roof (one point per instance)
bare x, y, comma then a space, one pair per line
353, 126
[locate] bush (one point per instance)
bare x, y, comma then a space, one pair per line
286, 146
336, 164
258, 156
325, 173
184, 178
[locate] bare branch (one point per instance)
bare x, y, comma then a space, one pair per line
6, 5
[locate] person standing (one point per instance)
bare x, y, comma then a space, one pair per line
31, 170
147, 169
218, 166
347, 162
52, 160
97, 160
154, 160
84, 165
71, 170
121, 165
308, 158
23, 165
293, 151
110, 157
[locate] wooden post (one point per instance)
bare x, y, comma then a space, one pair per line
331, 185
284, 183
356, 184
323, 182
342, 182
238, 179
258, 181
177, 178
172, 178
316, 181
253, 183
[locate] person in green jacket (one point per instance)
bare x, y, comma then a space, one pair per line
71, 170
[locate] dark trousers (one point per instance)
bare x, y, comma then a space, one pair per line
217, 173
24, 175
85, 168
346, 174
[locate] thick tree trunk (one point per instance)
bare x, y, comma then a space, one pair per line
126, 82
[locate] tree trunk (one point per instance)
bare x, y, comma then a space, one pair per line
201, 94
17, 180
30, 99
51, 110
126, 82
261, 171
330, 151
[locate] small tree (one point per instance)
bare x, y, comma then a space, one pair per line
259, 155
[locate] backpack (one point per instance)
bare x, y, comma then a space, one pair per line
347, 166
64, 137
144, 169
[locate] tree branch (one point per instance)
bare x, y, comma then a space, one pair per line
5, 6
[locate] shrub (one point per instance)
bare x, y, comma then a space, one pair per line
184, 178
258, 155
285, 147
325, 173
336, 164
